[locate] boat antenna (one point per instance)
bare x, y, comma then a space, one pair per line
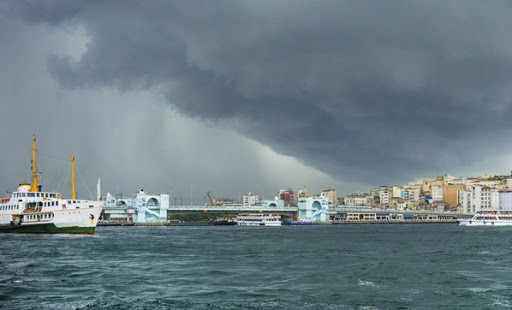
73, 193
34, 165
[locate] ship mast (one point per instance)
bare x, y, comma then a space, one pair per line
34, 165
73, 193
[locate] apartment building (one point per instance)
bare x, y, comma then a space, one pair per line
250, 199
479, 199
330, 195
358, 200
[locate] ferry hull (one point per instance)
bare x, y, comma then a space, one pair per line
46, 229
249, 223
71, 221
485, 223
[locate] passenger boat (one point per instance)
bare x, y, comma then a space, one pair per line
31, 210
259, 219
488, 219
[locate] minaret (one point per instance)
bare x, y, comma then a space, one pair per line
98, 190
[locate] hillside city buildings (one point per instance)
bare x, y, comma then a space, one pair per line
445, 193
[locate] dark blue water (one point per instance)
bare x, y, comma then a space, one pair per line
429, 266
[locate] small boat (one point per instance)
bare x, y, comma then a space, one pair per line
223, 221
258, 219
488, 219
31, 210
298, 223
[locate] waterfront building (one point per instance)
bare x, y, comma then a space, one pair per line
427, 185
289, 197
407, 193
437, 193
140, 208
250, 199
374, 193
505, 198
450, 193
331, 195
303, 193
456, 181
410, 205
358, 200
313, 209
485, 181
463, 200
396, 192
384, 195
412, 194
479, 199
396, 203
490, 199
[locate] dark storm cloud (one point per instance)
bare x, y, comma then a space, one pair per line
385, 90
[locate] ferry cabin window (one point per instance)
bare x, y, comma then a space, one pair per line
52, 195
31, 194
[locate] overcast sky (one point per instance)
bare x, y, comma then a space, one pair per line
254, 96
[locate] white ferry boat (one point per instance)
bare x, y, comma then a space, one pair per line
488, 219
30, 210
258, 219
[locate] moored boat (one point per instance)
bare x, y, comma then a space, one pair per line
488, 219
258, 219
298, 223
223, 222
31, 210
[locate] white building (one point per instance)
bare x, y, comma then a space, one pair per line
140, 208
412, 195
437, 193
505, 198
331, 195
479, 199
250, 199
313, 209
384, 196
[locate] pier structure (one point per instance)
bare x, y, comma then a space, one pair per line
139, 208
368, 214
313, 209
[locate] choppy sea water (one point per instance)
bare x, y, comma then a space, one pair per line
417, 266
